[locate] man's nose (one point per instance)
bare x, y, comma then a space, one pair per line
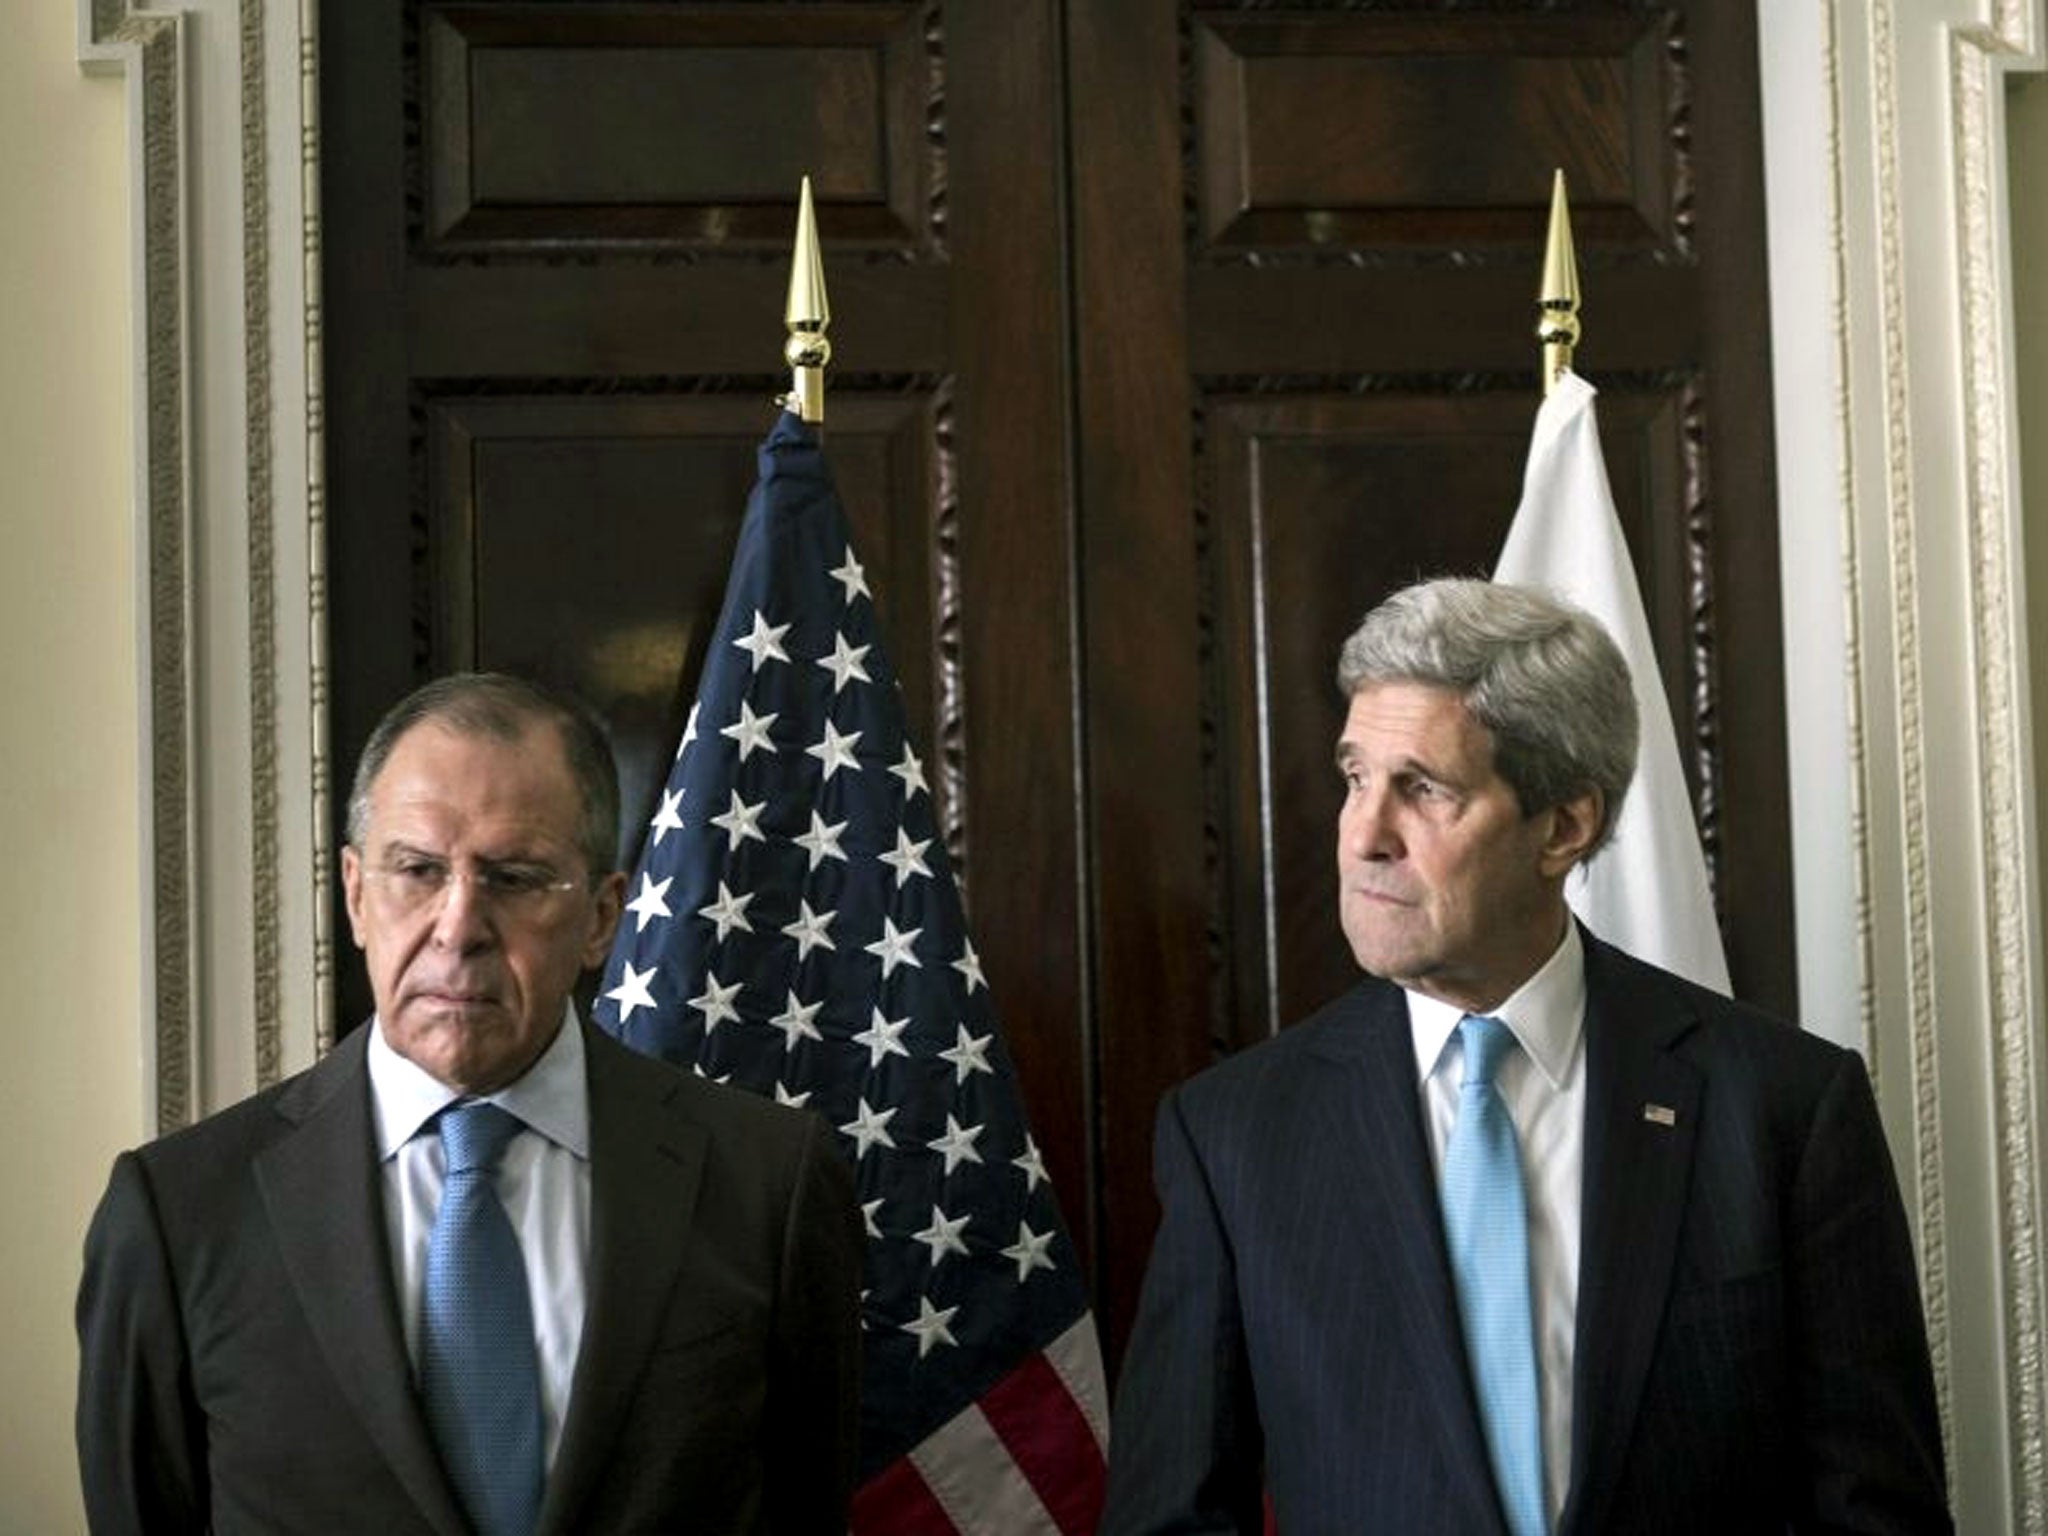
1365, 827
463, 919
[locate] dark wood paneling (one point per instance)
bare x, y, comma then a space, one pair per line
1734, 531
1142, 723
1363, 130
1011, 756
1369, 320
1166, 337
600, 125
640, 320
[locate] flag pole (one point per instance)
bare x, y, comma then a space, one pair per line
1558, 301
806, 315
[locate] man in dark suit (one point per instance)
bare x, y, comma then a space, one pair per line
286, 1327
1521, 1235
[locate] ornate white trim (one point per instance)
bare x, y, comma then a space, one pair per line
149, 50
1940, 813
1977, 63
229, 412
1902, 560
319, 758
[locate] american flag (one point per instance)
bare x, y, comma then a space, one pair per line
793, 927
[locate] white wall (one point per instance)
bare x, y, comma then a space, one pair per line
71, 1089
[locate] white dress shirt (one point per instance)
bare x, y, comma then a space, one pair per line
543, 1182
1544, 1084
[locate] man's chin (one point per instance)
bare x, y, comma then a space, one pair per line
469, 1045
1380, 953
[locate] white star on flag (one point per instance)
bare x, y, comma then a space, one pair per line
911, 772
845, 662
651, 902
943, 1235
957, 1145
908, 859
1029, 1251
715, 1002
868, 1128
930, 1326
867, 1216
632, 991
836, 751
793, 1100
741, 821
969, 1056
750, 731
809, 930
883, 1037
1032, 1164
728, 912
821, 842
795, 1021
893, 948
765, 643
969, 966
668, 816
853, 576
689, 732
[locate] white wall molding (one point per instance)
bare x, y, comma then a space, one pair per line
1911, 737
222, 99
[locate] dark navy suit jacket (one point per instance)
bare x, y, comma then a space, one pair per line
1750, 1353
243, 1366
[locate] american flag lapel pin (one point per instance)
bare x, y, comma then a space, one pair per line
1660, 1114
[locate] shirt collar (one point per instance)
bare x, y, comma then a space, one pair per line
1546, 1014
549, 1097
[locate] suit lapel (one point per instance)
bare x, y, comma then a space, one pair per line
646, 1158
1399, 1238
1642, 1115
319, 1185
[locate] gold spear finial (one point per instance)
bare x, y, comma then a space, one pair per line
806, 315
1558, 303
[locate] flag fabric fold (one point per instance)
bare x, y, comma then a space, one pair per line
1647, 890
793, 927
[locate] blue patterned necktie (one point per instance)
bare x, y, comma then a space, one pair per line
1486, 1225
478, 1372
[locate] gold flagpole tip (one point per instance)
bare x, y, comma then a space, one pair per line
1557, 327
806, 315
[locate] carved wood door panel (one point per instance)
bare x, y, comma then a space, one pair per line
1167, 338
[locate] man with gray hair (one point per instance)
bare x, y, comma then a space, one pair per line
481, 1269
1521, 1235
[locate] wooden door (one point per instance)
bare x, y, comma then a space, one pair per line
1167, 338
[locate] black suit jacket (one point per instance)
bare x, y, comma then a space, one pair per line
1750, 1354
243, 1366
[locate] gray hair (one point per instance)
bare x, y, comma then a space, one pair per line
502, 707
1539, 674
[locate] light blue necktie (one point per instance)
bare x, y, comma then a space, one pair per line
1486, 1224
478, 1372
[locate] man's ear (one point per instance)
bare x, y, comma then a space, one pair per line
352, 890
1574, 825
610, 901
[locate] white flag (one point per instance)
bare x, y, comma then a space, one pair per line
1646, 891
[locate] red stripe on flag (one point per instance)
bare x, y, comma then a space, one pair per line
897, 1502
1046, 1434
